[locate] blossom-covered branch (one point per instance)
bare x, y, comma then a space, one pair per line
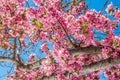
103, 64
87, 50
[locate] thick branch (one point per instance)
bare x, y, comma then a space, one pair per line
100, 65
35, 64
86, 68
86, 50
82, 50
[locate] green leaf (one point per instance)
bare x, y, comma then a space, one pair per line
1, 25
15, 25
62, 58
12, 14
76, 71
67, 61
115, 43
21, 33
24, 14
83, 78
110, 12
4, 46
52, 60
84, 26
110, 53
38, 23
36, 78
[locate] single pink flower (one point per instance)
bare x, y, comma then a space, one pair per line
109, 7
31, 57
44, 48
117, 15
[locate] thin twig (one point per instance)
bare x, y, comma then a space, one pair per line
74, 45
28, 4
14, 49
104, 5
19, 59
74, 2
20, 43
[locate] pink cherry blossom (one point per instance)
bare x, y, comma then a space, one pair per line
109, 7
117, 15
31, 57
44, 48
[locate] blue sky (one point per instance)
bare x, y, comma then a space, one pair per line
92, 4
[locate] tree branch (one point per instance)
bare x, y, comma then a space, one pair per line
86, 50
28, 5
103, 64
18, 64
86, 68
19, 59
100, 65
81, 50
104, 5
61, 26
74, 2
14, 49
35, 64
8, 59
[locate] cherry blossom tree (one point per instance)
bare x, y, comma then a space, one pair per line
77, 55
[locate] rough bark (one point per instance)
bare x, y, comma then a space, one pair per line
100, 65
86, 68
93, 67
14, 48
87, 50
103, 64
